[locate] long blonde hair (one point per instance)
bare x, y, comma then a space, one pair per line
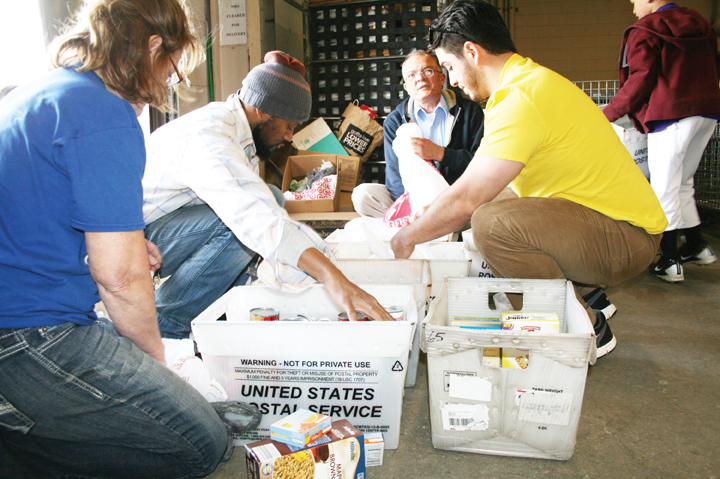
111, 37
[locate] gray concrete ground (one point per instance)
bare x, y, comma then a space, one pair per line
651, 407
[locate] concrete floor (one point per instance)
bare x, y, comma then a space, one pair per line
651, 408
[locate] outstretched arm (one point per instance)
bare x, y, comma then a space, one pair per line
344, 292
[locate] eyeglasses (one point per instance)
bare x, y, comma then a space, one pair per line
426, 73
176, 77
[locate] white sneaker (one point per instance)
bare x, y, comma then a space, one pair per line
701, 255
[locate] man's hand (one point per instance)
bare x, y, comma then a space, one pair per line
427, 150
400, 247
348, 295
154, 256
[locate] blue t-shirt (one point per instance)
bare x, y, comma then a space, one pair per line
72, 156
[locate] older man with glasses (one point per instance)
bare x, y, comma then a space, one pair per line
452, 127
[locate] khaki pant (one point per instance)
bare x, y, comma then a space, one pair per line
552, 238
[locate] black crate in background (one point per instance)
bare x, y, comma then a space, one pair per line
356, 52
707, 180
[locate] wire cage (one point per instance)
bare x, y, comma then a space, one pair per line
707, 176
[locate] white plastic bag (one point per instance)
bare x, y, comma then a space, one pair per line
421, 180
180, 357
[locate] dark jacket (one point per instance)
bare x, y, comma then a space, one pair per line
668, 69
467, 120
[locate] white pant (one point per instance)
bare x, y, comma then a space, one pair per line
371, 199
673, 157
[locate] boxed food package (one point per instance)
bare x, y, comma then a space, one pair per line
345, 370
374, 449
319, 138
300, 428
511, 411
337, 455
531, 322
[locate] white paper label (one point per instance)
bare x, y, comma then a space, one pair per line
233, 22
464, 417
544, 407
470, 387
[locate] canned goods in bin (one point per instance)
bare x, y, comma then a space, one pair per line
396, 312
264, 314
360, 316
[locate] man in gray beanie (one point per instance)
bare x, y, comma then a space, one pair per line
209, 212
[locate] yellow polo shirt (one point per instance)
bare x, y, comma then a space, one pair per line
568, 147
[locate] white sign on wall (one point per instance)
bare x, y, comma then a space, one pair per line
233, 23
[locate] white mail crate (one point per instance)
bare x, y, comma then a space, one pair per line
346, 370
531, 412
415, 272
446, 258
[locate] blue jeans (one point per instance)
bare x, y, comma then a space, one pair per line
82, 401
204, 260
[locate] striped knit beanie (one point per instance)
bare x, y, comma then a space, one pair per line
278, 87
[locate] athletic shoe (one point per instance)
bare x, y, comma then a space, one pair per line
701, 254
668, 270
597, 299
604, 338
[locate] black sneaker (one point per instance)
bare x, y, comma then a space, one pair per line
597, 299
668, 270
700, 254
604, 338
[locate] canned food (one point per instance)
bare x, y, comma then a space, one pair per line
396, 312
264, 314
360, 316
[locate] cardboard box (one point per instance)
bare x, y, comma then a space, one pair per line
300, 428
531, 412
298, 166
339, 454
349, 169
319, 138
345, 370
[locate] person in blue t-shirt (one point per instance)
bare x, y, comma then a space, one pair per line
79, 395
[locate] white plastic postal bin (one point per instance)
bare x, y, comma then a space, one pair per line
635, 142
346, 370
531, 412
446, 258
415, 272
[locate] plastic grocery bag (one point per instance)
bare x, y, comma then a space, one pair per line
180, 357
423, 182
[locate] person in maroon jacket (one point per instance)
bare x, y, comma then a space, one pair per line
669, 88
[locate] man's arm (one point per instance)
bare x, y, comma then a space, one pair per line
481, 182
347, 294
119, 265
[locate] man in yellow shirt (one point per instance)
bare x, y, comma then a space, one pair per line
584, 210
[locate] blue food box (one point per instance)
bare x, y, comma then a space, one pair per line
300, 428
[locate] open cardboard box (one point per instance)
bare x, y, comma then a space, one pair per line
299, 165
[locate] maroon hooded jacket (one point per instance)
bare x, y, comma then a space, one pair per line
668, 69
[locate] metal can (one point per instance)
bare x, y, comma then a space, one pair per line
396, 312
264, 314
360, 316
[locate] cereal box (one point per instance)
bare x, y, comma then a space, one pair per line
337, 455
300, 428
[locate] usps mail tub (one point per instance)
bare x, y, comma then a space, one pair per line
414, 272
446, 258
346, 370
531, 412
